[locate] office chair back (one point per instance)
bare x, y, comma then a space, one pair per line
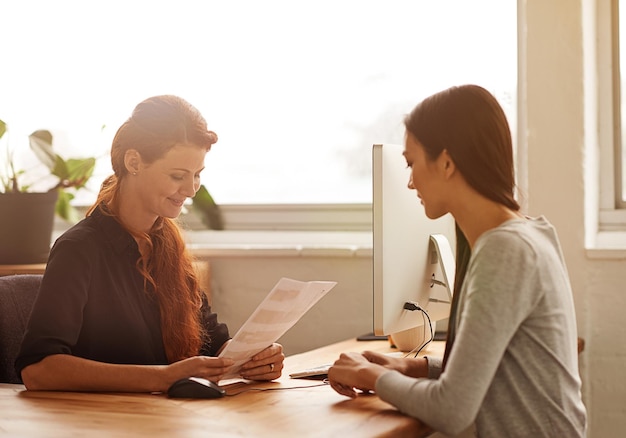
17, 295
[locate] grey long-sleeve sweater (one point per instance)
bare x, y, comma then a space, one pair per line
513, 370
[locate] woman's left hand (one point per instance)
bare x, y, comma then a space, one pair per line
266, 365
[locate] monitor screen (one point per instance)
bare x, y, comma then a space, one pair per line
409, 265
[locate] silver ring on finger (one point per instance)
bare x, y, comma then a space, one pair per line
271, 368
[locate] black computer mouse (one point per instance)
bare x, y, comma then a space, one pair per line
195, 387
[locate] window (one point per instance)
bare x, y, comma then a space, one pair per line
297, 91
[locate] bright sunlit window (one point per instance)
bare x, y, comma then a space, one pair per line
297, 91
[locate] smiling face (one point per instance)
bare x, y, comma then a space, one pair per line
160, 188
428, 177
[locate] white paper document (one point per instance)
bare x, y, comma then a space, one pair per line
286, 303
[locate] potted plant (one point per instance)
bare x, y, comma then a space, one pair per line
27, 215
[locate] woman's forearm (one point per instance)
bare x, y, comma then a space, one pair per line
71, 373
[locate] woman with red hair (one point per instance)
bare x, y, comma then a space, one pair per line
120, 308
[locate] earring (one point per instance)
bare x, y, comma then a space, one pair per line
134, 173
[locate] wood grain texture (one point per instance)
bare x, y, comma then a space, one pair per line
259, 409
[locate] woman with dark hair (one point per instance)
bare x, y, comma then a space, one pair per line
120, 308
510, 368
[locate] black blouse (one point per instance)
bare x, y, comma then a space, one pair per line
92, 302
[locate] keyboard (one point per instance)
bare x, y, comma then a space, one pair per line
318, 372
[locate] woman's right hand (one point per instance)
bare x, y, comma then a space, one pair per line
210, 368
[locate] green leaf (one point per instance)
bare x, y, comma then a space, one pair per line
59, 169
80, 170
209, 211
3, 128
64, 209
75, 172
41, 143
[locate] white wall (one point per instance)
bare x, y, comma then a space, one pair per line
558, 134
558, 90
240, 283
244, 266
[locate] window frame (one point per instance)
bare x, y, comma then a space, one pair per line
612, 211
291, 217
620, 203
346, 217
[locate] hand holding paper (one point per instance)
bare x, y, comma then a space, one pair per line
286, 303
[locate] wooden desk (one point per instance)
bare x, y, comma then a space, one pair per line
315, 411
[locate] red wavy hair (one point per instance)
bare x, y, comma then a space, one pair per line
156, 125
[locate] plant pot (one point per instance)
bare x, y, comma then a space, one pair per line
26, 221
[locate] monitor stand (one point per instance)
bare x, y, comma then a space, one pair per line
413, 338
371, 337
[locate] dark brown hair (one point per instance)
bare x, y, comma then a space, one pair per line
469, 123
156, 125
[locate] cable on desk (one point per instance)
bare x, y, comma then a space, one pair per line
324, 383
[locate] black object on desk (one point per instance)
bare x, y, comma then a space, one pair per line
371, 337
195, 387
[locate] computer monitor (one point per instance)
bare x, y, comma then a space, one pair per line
412, 254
